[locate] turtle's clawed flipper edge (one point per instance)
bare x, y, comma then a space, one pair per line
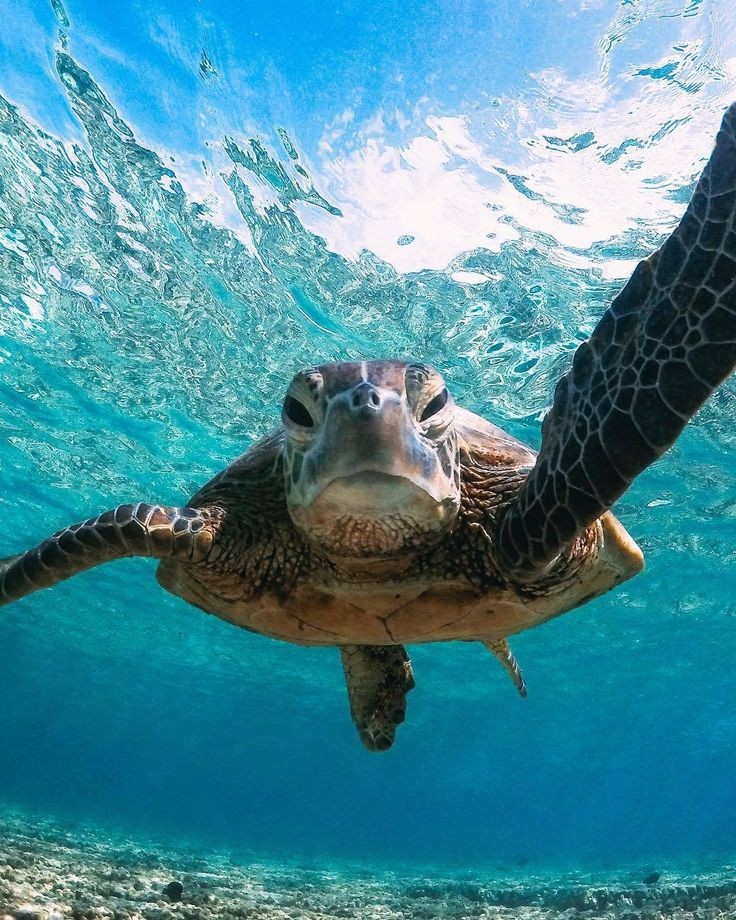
128, 530
502, 650
378, 678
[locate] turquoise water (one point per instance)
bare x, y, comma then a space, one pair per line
194, 206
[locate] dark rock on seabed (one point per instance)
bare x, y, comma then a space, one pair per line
174, 891
53, 871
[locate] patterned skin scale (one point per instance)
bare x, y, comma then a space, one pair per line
381, 513
662, 347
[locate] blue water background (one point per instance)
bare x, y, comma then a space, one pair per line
163, 275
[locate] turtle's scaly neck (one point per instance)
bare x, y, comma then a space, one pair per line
370, 569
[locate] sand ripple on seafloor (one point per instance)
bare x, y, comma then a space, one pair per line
50, 871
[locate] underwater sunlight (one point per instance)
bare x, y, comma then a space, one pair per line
198, 199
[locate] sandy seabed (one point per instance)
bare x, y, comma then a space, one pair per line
51, 871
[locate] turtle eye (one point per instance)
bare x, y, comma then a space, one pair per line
435, 405
297, 412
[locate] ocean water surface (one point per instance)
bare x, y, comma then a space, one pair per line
199, 198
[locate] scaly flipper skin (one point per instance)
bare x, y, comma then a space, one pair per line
502, 650
660, 350
129, 530
378, 678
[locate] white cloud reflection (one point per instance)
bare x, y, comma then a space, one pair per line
591, 171
584, 162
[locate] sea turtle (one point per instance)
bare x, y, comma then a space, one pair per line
381, 513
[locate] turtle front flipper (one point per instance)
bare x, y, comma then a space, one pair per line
378, 678
128, 530
659, 351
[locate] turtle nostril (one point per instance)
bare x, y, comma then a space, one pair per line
365, 396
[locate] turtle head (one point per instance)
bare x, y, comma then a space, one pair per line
371, 458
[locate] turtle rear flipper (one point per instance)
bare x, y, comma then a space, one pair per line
659, 351
378, 678
128, 530
502, 650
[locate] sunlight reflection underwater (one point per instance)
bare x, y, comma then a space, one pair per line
151, 317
